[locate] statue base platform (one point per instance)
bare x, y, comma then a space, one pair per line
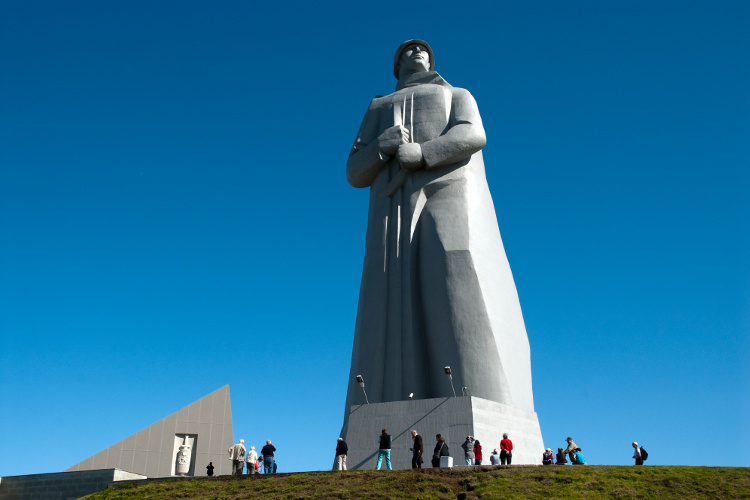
454, 418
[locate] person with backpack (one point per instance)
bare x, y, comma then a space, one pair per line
640, 454
547, 457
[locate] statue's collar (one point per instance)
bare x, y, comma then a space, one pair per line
421, 78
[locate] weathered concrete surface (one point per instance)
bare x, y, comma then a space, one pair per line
454, 418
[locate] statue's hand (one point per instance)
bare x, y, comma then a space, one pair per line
391, 138
410, 155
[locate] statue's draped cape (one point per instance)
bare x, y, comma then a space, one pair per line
436, 287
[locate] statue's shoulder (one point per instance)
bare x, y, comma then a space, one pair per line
379, 102
459, 92
380, 99
462, 97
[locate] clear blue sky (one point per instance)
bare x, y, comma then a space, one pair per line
174, 214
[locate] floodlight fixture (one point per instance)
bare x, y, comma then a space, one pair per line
361, 383
464, 390
411, 395
448, 372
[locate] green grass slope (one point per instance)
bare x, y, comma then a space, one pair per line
527, 482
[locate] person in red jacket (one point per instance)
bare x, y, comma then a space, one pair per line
477, 453
506, 447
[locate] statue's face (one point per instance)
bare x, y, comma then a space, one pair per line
415, 58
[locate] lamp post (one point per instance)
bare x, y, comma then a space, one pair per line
361, 382
448, 372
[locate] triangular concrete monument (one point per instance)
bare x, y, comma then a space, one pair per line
182, 443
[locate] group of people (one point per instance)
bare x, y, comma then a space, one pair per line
472, 451
573, 451
417, 449
471, 446
239, 456
576, 457
384, 451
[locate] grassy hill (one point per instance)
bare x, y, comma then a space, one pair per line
528, 482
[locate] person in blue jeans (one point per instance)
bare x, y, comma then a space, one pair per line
468, 447
267, 453
384, 450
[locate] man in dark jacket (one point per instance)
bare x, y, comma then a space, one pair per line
267, 453
441, 450
341, 450
384, 450
416, 459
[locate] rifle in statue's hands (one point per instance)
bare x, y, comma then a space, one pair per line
400, 116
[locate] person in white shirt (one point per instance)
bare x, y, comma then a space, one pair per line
251, 459
637, 454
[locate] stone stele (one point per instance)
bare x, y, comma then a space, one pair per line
437, 289
196, 435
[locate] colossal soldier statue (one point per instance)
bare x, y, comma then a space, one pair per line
436, 288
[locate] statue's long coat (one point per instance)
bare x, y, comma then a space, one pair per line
436, 288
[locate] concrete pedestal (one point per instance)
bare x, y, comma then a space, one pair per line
454, 418
61, 485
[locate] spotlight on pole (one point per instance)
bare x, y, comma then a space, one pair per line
448, 372
361, 382
411, 395
464, 390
